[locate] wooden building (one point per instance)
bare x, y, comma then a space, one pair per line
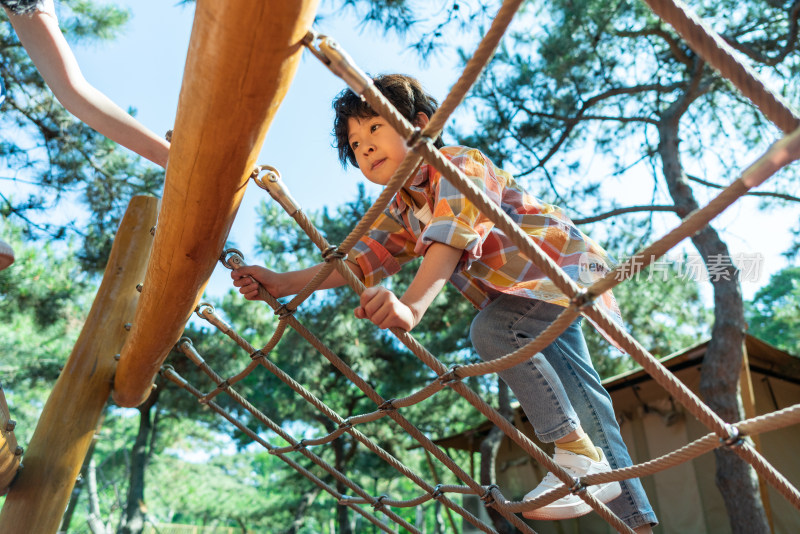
684, 497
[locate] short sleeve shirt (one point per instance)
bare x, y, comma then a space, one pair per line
431, 210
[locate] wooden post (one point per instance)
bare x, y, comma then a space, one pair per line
242, 57
39, 495
9, 451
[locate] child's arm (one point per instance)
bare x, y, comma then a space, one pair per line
248, 278
41, 36
383, 308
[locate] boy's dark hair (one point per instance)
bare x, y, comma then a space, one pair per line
404, 92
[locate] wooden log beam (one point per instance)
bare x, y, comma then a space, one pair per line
40, 493
242, 57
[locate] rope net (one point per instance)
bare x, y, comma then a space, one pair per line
716, 52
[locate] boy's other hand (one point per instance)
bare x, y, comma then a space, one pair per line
383, 308
248, 278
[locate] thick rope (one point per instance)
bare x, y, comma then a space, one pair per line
779, 155
716, 52
170, 374
706, 42
332, 415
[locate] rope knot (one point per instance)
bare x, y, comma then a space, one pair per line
734, 439
437, 492
582, 299
577, 487
299, 445
224, 385
284, 311
347, 423
387, 406
377, 504
257, 354
333, 253
416, 138
450, 376
487, 496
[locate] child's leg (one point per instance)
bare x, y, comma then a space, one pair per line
509, 323
495, 333
569, 357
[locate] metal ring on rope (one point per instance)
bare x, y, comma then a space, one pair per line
223, 258
203, 307
270, 171
184, 340
328, 51
274, 186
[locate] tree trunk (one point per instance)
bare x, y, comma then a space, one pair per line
133, 522
94, 518
302, 508
342, 513
489, 449
719, 376
76, 496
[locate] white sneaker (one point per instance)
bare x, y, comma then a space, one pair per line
571, 505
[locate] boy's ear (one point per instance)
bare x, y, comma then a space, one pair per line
421, 120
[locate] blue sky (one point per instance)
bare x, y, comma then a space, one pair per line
144, 67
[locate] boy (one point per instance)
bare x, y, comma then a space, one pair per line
558, 388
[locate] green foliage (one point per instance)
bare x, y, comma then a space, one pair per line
662, 308
576, 81
375, 355
45, 298
94, 22
774, 313
52, 158
567, 74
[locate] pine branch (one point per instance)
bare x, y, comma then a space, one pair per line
791, 41
771, 194
622, 211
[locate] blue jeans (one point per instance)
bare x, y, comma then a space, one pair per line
558, 389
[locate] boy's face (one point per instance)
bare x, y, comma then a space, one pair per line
378, 148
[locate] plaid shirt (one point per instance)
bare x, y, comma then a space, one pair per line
431, 210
